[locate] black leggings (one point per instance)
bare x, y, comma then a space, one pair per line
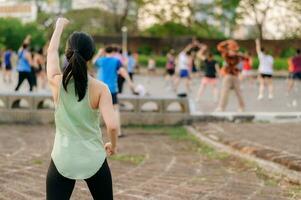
22, 77
59, 187
120, 82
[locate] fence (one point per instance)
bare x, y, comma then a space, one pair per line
38, 108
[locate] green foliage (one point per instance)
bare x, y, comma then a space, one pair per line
13, 32
93, 21
279, 63
221, 11
145, 49
160, 60
173, 29
205, 30
286, 53
168, 29
134, 159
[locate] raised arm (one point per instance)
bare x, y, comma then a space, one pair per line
110, 119
222, 46
53, 60
188, 47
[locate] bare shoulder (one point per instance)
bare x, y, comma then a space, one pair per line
97, 85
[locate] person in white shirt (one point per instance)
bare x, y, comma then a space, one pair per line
265, 70
184, 64
184, 60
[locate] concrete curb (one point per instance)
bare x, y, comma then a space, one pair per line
245, 117
261, 157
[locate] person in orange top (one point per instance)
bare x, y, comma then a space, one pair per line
229, 50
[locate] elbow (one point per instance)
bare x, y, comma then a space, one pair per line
112, 128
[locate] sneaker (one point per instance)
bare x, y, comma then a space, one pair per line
260, 97
294, 103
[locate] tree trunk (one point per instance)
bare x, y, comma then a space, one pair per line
260, 31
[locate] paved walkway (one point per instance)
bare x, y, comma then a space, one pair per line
156, 86
278, 142
171, 169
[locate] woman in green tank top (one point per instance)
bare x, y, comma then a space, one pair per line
78, 150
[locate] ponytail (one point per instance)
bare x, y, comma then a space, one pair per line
76, 69
79, 51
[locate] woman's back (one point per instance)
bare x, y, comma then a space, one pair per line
78, 142
78, 151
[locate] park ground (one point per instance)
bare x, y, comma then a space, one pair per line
153, 162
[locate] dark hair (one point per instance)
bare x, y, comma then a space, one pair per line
210, 55
298, 51
109, 49
25, 45
40, 51
80, 49
115, 48
129, 52
262, 49
188, 53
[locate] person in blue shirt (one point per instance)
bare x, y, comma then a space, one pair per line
131, 63
8, 66
108, 68
25, 62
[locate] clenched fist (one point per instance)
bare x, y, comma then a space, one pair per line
61, 22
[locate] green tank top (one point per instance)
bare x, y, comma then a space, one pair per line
78, 150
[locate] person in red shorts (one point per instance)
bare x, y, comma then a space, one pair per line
211, 72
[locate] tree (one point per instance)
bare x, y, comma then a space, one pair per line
161, 11
217, 12
261, 12
291, 22
257, 10
173, 29
13, 32
122, 10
